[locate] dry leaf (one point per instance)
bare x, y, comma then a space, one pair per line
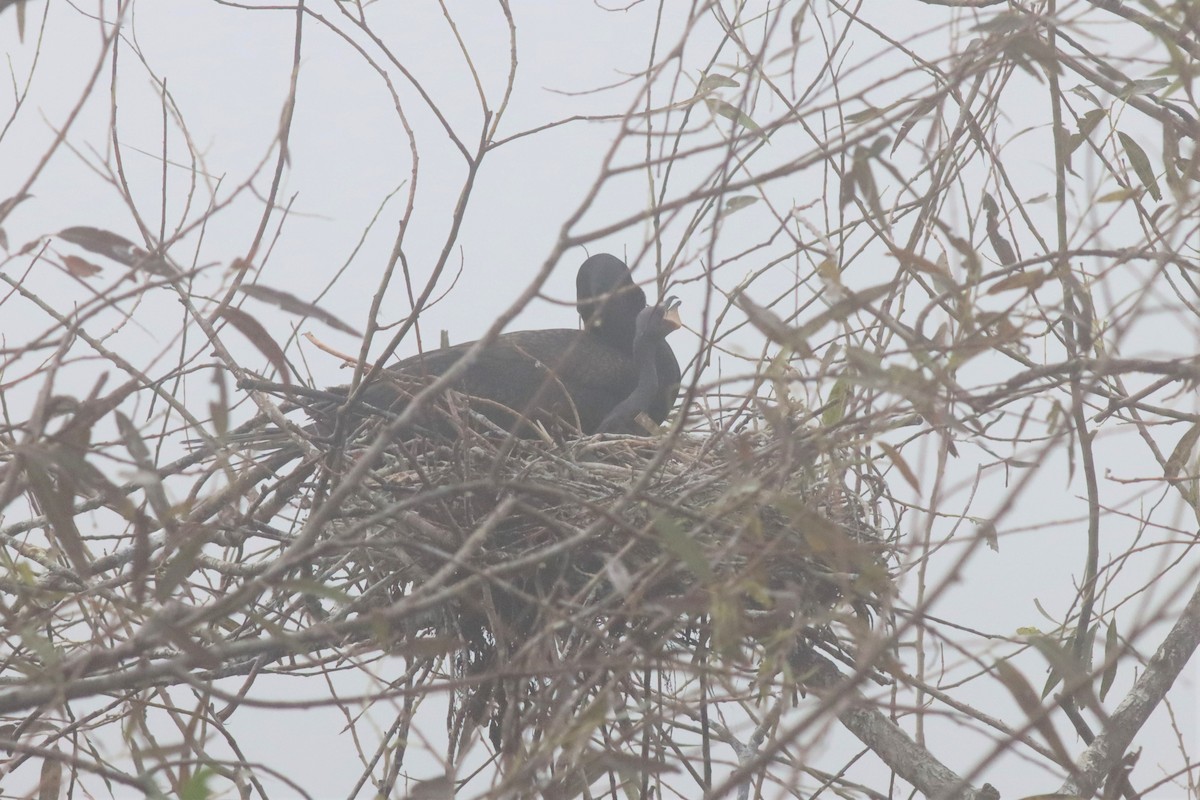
118, 248
10, 203
79, 267
50, 783
898, 460
1021, 280
293, 304
258, 336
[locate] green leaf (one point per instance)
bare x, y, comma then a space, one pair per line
715, 81
865, 181
922, 108
1027, 49
1117, 196
1182, 454
1086, 94
835, 406
147, 475
676, 541
197, 786
739, 202
178, 568
868, 113
1141, 165
1147, 86
718, 106
1087, 124
54, 499
1021, 280
1171, 158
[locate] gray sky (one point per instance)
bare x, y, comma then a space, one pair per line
227, 70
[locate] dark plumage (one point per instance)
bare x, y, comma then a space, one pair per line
552, 376
653, 325
616, 321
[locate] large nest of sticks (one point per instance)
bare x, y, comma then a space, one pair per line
525, 554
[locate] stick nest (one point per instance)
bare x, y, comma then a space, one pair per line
503, 546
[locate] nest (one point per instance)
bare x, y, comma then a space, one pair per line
522, 557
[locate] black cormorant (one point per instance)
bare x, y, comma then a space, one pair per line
556, 375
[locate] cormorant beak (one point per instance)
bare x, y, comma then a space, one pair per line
671, 317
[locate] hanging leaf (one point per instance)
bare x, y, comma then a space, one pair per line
253, 330
439, 788
835, 406
877, 147
1112, 649
898, 460
797, 23
1145, 86
920, 110
219, 409
10, 203
774, 328
830, 272
1004, 250
718, 106
291, 303
1004, 22
846, 193
991, 537
676, 541
1031, 705
50, 782
1086, 94
55, 503
1087, 124
148, 476
865, 181
29, 247
169, 576
1028, 51
197, 787
827, 541
1118, 196
1141, 164
916, 262
715, 81
106, 243
868, 113
118, 248
1182, 453
739, 202
79, 267
1021, 280
1171, 158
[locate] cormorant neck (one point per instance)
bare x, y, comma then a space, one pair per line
615, 332
647, 385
